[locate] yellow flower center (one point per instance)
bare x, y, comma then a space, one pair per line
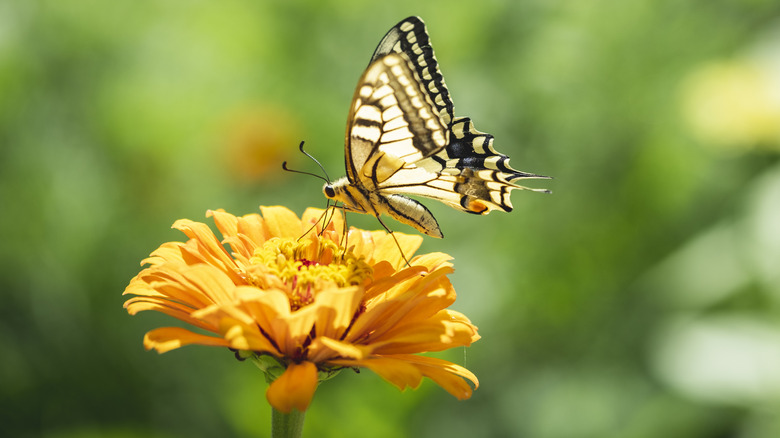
307, 265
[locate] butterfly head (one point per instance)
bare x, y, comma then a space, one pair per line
329, 191
346, 193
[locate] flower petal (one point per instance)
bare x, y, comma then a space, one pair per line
266, 308
446, 374
204, 247
243, 234
165, 339
439, 332
400, 373
336, 307
167, 252
282, 222
246, 337
315, 216
386, 247
406, 371
139, 304
432, 261
322, 348
404, 303
293, 389
294, 328
226, 223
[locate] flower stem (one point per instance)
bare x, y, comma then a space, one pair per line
287, 425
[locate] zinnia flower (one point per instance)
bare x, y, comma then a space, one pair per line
313, 301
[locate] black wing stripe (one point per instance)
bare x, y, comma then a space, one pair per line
472, 149
410, 37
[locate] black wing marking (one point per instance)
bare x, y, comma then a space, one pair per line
410, 37
467, 175
472, 149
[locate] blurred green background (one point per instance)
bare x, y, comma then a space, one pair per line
640, 299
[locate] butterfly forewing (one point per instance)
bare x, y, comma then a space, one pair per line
392, 122
410, 37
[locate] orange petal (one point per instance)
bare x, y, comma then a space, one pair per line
253, 227
451, 383
294, 328
409, 301
382, 270
268, 309
433, 334
170, 338
170, 281
386, 248
244, 337
226, 223
336, 307
316, 215
282, 222
167, 252
446, 374
432, 260
400, 373
405, 371
294, 388
207, 246
243, 234
323, 348
139, 304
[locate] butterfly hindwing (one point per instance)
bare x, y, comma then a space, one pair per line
482, 176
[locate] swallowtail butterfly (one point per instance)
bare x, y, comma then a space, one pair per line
402, 139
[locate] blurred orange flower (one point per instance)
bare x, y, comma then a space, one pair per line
309, 304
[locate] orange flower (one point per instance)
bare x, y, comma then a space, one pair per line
307, 302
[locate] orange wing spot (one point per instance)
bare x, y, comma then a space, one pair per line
478, 207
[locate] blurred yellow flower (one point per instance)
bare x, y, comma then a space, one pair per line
308, 302
734, 104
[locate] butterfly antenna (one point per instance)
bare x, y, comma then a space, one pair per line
284, 166
326, 178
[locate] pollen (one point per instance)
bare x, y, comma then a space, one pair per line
304, 266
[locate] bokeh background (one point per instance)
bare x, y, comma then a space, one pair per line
640, 299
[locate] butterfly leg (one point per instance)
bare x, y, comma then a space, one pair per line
389, 231
344, 231
314, 225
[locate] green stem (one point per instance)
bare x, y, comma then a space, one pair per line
286, 425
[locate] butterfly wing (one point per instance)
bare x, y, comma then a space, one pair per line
467, 175
391, 123
410, 37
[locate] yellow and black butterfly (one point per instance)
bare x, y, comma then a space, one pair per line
402, 139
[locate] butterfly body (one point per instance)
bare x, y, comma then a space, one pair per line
360, 199
402, 139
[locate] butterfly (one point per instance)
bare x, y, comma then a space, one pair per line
402, 139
